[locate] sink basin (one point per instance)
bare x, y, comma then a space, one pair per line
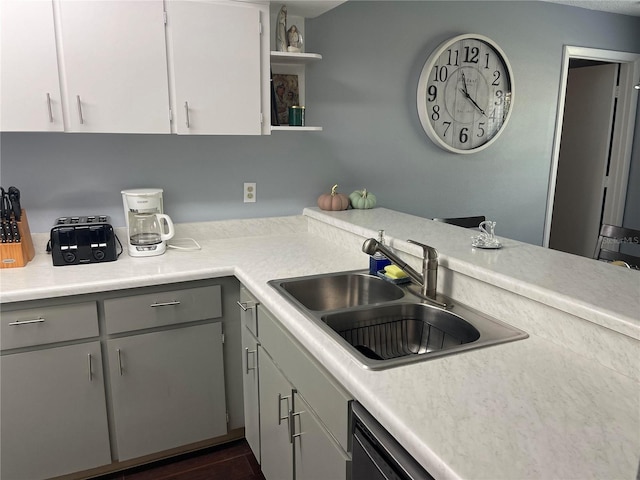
384, 325
341, 290
394, 331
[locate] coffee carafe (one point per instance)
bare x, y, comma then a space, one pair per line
148, 228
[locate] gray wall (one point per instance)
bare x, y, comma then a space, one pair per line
373, 54
363, 93
202, 177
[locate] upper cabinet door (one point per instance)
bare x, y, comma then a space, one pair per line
215, 67
114, 66
29, 84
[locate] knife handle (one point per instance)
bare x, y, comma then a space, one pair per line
15, 232
6, 233
4, 205
14, 199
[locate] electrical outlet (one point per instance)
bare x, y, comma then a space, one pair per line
249, 192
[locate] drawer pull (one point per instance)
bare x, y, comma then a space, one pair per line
186, 114
49, 108
280, 417
292, 426
80, 117
119, 361
27, 322
90, 368
165, 304
246, 353
247, 305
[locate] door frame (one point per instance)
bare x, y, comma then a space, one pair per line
623, 133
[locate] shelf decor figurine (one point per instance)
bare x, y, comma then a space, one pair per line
281, 30
294, 40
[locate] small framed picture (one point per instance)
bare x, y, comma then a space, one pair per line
286, 95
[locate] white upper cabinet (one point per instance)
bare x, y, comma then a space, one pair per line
114, 66
215, 68
29, 84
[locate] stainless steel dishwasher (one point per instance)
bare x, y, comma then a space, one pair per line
376, 455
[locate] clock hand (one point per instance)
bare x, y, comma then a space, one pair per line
466, 94
464, 85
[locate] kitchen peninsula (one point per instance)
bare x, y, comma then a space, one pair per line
563, 403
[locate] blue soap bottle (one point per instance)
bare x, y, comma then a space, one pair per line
378, 261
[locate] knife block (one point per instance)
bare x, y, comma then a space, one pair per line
14, 255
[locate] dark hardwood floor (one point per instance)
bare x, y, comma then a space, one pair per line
233, 461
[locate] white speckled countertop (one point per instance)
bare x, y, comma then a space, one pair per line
531, 409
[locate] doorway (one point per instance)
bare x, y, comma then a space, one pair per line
615, 135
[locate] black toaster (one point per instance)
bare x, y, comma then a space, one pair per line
76, 240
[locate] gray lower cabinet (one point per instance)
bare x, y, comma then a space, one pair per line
251, 392
295, 445
166, 372
54, 417
53, 413
87, 382
250, 372
317, 457
167, 389
276, 404
303, 413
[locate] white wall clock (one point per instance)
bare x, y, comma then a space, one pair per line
465, 93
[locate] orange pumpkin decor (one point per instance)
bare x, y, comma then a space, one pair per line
333, 201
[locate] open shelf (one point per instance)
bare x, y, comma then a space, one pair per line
294, 58
291, 63
284, 128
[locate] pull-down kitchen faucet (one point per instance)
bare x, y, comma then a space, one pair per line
429, 277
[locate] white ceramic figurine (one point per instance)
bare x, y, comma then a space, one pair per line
294, 39
281, 30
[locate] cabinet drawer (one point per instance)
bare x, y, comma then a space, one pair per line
39, 326
326, 397
165, 308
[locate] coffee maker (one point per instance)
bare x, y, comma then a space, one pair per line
148, 228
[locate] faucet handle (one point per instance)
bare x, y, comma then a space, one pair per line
429, 253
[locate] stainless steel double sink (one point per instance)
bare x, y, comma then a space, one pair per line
385, 325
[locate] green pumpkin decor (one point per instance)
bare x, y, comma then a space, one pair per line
362, 199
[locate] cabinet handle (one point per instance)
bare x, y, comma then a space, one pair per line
165, 304
246, 354
90, 368
27, 322
280, 417
186, 113
246, 305
120, 361
292, 426
49, 107
80, 109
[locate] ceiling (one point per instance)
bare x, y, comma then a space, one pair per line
624, 7
309, 8
313, 8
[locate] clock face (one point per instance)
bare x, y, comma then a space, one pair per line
465, 94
